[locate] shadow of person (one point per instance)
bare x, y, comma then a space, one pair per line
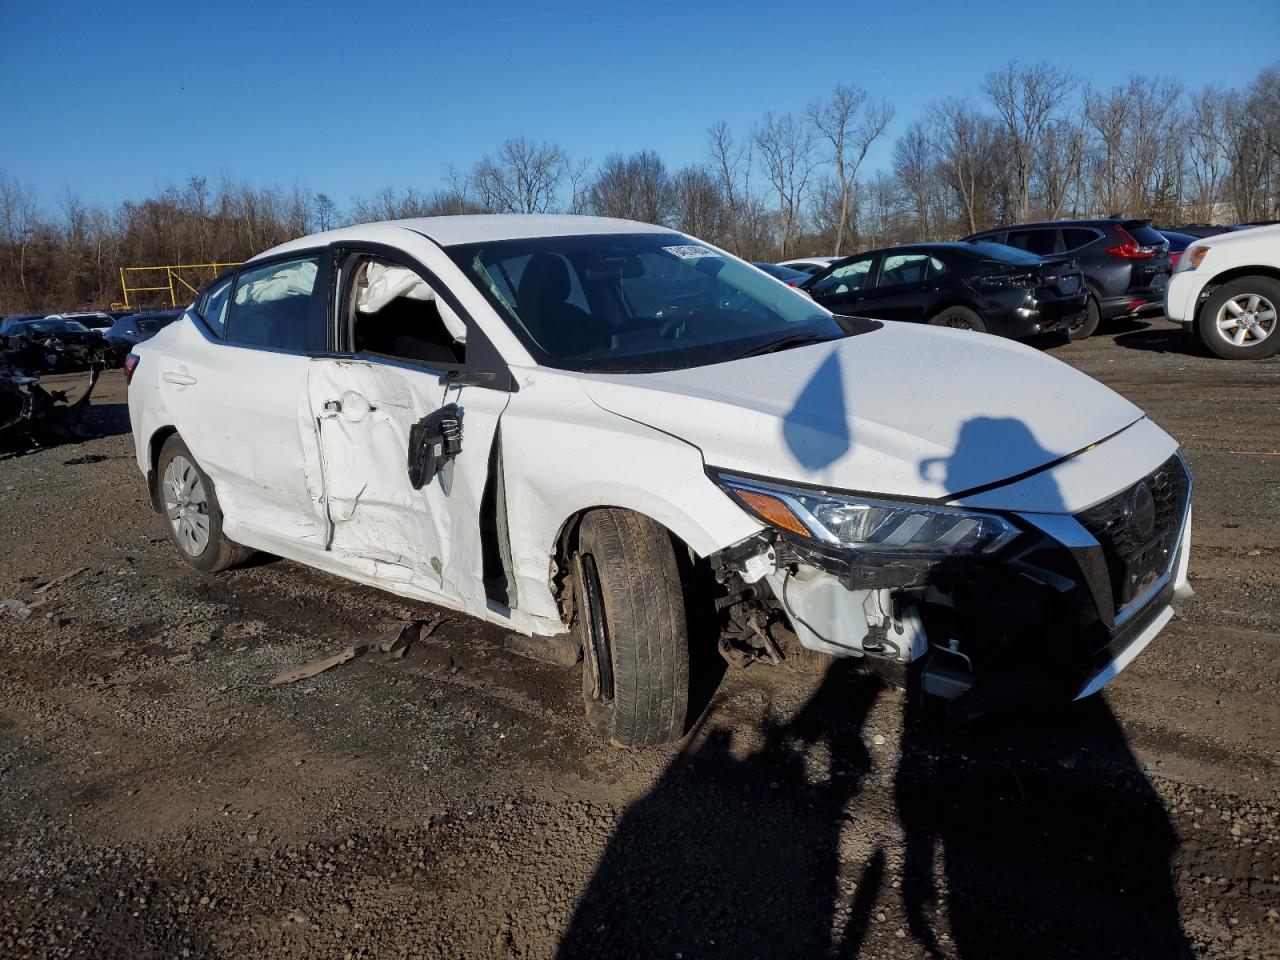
1051, 840
733, 854
1030, 833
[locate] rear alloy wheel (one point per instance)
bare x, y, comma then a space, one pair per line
1239, 320
959, 318
631, 622
191, 511
1087, 325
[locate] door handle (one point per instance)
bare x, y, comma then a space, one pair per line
178, 379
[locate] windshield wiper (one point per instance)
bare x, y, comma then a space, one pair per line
786, 343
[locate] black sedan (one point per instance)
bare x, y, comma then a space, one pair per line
132, 329
987, 287
53, 344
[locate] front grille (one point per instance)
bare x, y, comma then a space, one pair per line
1137, 536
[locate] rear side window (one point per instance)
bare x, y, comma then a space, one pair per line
213, 306
1147, 236
273, 307
1076, 237
904, 268
1039, 242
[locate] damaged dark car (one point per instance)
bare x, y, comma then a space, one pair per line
53, 344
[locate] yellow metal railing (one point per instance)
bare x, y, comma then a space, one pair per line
168, 279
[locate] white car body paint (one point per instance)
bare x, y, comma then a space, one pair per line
307, 455
1240, 249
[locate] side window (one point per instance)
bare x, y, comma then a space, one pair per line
903, 268
1076, 237
937, 267
1040, 242
846, 278
273, 307
391, 311
213, 306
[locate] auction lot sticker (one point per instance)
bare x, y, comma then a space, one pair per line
690, 252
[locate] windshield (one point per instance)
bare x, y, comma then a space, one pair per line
636, 301
57, 326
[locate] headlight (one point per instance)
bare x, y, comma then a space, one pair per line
867, 525
1191, 258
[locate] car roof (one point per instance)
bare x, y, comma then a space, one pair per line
471, 228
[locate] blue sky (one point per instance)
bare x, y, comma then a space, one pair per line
114, 101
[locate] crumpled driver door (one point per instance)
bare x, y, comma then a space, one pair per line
362, 414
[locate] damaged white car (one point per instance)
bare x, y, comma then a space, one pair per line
628, 442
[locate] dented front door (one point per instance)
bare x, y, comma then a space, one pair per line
362, 413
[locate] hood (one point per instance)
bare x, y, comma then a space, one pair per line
903, 411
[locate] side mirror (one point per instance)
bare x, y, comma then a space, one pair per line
434, 441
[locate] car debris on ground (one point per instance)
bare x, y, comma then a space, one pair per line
30, 413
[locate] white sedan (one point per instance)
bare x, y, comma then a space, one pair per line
621, 442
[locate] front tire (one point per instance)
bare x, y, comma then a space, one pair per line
1239, 320
959, 318
192, 515
633, 628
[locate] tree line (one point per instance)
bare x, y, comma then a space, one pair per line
1035, 143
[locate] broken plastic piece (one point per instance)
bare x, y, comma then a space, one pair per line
562, 650
316, 667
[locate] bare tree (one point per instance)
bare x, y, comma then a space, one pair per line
699, 206
523, 177
850, 125
636, 187
915, 166
1026, 99
787, 156
965, 142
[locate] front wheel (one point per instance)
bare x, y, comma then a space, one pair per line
1238, 321
959, 318
633, 629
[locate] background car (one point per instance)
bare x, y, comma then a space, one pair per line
1227, 292
53, 343
133, 328
8, 323
986, 287
95, 320
810, 265
1177, 243
792, 278
1125, 262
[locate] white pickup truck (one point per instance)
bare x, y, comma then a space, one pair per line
1226, 290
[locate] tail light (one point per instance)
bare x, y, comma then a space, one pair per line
130, 365
1173, 259
1130, 249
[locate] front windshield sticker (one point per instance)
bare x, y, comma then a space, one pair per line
690, 252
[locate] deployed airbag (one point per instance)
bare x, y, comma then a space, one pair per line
388, 282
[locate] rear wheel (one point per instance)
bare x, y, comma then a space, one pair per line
191, 511
959, 318
632, 625
1239, 320
1087, 325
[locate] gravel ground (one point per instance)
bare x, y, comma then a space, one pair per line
159, 799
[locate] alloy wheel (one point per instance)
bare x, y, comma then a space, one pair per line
1246, 320
186, 505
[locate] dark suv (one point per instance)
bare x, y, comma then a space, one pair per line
1125, 262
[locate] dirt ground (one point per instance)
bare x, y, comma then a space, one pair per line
159, 799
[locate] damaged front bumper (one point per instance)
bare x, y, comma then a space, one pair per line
1057, 613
